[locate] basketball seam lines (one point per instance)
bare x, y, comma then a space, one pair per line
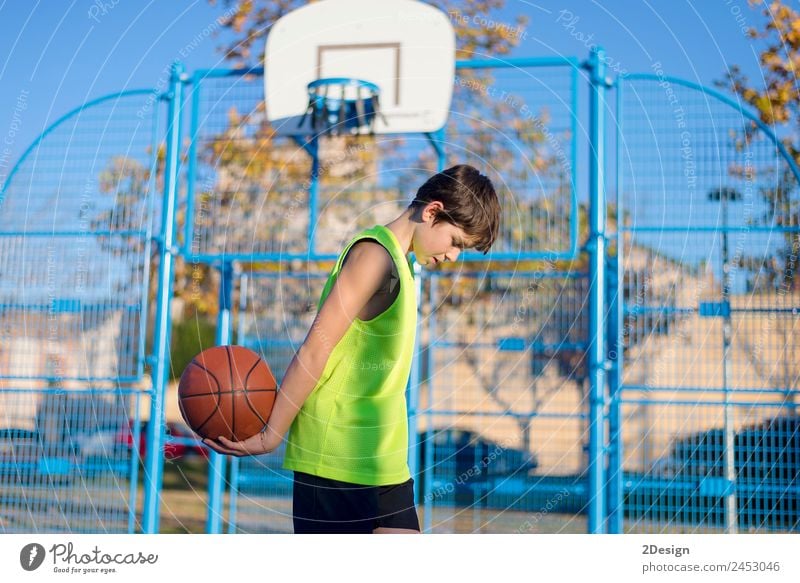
233, 401
194, 362
219, 392
246, 391
226, 392
252, 368
219, 388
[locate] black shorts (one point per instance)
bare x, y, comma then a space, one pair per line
325, 506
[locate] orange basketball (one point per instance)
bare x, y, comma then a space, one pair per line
228, 391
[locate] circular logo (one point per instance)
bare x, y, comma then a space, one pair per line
31, 556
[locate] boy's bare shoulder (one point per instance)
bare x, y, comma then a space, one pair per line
369, 254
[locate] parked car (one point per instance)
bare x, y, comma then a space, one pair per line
100, 444
26, 455
769, 450
690, 480
20, 450
180, 441
468, 466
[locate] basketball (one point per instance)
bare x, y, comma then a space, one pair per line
227, 391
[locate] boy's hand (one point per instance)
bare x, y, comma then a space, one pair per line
260, 443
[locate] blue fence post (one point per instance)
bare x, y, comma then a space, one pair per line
616, 273
428, 462
191, 173
437, 140
413, 387
154, 459
596, 247
313, 193
233, 494
217, 462
614, 498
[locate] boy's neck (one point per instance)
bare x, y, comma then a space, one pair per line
403, 228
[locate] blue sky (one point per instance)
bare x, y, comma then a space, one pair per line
59, 54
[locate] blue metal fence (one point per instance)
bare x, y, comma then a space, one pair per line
264, 199
704, 411
276, 311
76, 221
516, 118
503, 412
498, 422
511, 426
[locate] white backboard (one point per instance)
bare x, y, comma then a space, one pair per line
407, 48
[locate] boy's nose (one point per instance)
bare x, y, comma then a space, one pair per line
452, 255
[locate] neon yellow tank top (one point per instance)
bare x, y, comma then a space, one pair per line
353, 427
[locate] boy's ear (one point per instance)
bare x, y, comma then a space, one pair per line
432, 209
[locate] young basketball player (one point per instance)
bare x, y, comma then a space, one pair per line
343, 394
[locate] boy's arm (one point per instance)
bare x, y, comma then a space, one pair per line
362, 274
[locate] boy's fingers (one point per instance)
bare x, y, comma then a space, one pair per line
218, 448
211, 445
231, 445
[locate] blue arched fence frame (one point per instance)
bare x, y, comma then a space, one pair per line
604, 478
79, 472
623, 492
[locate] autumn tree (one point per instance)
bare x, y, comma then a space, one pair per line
520, 147
521, 144
775, 99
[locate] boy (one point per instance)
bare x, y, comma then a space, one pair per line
343, 394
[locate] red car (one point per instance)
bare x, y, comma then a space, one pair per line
179, 440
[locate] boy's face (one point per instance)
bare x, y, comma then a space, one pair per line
433, 244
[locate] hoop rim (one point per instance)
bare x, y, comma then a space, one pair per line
348, 81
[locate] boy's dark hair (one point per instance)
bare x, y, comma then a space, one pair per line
470, 202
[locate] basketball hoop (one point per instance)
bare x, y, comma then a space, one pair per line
341, 105
329, 68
